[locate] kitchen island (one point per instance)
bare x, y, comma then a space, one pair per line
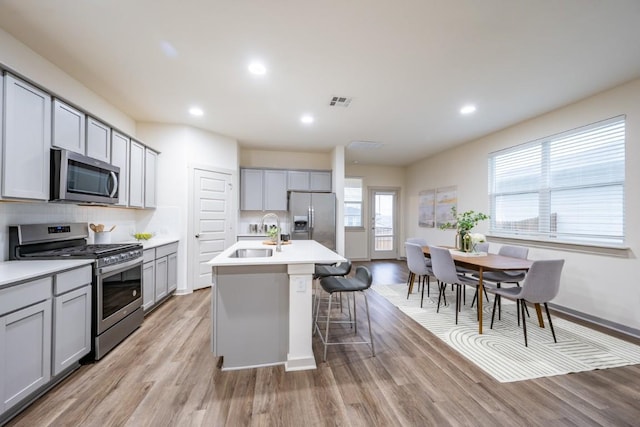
261, 306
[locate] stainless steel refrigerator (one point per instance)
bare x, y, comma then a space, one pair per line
313, 217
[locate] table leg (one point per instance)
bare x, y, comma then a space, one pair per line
413, 278
539, 313
480, 294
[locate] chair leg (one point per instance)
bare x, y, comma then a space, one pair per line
440, 294
366, 304
355, 315
493, 313
326, 333
457, 302
428, 285
422, 296
518, 310
550, 323
524, 323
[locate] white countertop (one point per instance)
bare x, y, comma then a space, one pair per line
18, 271
154, 242
298, 252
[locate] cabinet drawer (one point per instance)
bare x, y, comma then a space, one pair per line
149, 255
73, 279
166, 250
24, 294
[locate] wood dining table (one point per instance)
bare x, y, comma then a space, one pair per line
489, 262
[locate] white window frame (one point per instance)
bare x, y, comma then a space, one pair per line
348, 201
549, 161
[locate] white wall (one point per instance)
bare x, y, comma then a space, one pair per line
600, 284
182, 148
22, 60
284, 159
357, 241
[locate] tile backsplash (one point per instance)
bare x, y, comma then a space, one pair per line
162, 221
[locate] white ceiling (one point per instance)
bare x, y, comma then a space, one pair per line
409, 65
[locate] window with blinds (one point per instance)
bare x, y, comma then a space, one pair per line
567, 187
353, 203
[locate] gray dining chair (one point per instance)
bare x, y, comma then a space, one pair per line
417, 264
444, 270
421, 279
494, 279
540, 286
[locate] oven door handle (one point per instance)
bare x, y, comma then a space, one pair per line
120, 267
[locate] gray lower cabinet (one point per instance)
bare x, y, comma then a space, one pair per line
45, 328
25, 340
71, 317
159, 274
148, 284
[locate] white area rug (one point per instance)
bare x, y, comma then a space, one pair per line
500, 351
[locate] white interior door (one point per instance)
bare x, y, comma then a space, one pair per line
383, 237
212, 222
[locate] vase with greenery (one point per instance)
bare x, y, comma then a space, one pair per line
463, 224
272, 232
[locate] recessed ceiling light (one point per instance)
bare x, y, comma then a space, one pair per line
196, 111
168, 49
468, 109
306, 119
257, 68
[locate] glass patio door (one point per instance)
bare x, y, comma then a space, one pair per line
383, 241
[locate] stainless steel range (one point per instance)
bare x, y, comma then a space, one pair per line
117, 276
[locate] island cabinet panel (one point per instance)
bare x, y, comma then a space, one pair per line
251, 315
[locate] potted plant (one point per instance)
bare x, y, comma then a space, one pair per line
464, 223
272, 232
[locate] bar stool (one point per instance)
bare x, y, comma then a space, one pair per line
359, 283
329, 270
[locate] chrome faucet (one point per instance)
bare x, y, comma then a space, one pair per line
272, 215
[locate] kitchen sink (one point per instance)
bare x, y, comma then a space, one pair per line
252, 253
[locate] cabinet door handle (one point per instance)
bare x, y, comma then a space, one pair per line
197, 236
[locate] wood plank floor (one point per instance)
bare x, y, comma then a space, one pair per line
165, 375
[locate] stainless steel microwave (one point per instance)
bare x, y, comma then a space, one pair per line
80, 179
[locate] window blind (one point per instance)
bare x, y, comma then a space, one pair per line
567, 187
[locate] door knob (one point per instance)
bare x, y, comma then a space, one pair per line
197, 236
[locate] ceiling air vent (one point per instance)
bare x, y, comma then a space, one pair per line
340, 101
364, 145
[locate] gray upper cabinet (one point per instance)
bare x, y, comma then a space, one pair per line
68, 127
98, 140
275, 190
309, 180
27, 140
251, 189
136, 175
150, 172
298, 180
120, 157
320, 181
